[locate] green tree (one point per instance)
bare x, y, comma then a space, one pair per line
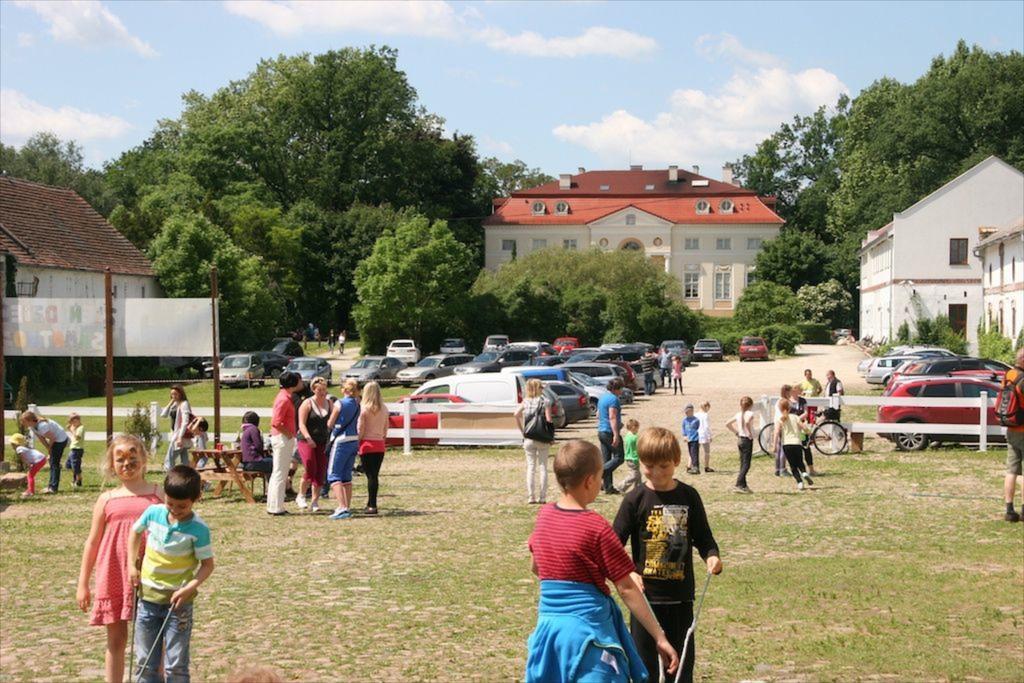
829, 303
764, 303
46, 159
500, 179
792, 259
182, 256
413, 284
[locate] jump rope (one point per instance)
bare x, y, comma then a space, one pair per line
157, 641
689, 633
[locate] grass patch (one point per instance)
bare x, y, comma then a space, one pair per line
860, 579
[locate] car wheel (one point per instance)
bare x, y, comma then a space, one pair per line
275, 373
885, 381
911, 442
430, 377
561, 422
593, 408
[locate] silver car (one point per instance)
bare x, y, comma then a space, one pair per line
881, 370
308, 368
432, 367
596, 389
453, 345
374, 368
241, 369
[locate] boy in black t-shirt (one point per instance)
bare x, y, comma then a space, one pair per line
662, 520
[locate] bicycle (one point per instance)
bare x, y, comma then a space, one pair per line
829, 437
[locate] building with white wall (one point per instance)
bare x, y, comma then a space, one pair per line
705, 232
1002, 279
60, 246
921, 264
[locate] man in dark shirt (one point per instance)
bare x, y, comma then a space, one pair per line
648, 364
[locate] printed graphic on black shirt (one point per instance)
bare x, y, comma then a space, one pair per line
665, 542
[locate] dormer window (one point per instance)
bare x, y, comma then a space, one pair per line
562, 208
538, 208
605, 188
702, 206
649, 187
630, 219
725, 206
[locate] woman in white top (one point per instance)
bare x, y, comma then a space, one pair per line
536, 451
180, 438
52, 437
790, 430
742, 425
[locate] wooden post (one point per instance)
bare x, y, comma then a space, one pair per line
983, 422
108, 299
216, 358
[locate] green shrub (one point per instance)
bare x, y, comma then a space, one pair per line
138, 423
993, 345
780, 338
903, 333
814, 333
938, 332
1019, 344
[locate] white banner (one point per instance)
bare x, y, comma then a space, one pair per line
76, 327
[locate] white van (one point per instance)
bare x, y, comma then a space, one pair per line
489, 387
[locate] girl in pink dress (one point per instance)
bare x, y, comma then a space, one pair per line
106, 549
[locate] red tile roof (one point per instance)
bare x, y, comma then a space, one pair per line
52, 227
674, 202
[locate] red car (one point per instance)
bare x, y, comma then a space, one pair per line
565, 344
753, 348
937, 387
957, 366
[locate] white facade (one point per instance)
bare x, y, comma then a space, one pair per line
1002, 264
713, 263
59, 283
922, 264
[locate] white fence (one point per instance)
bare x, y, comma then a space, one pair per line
473, 424
983, 430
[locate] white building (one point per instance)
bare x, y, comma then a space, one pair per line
1002, 267
705, 232
60, 246
920, 265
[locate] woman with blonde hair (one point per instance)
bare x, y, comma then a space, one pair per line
344, 444
372, 430
316, 417
536, 443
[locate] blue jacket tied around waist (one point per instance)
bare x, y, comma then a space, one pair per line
580, 631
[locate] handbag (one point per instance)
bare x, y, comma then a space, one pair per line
537, 427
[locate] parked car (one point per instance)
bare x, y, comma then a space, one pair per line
310, 367
432, 367
596, 388
583, 349
984, 368
494, 387
677, 347
601, 371
574, 401
374, 368
286, 346
241, 369
753, 348
536, 347
544, 374
937, 387
548, 361
565, 344
708, 349
881, 369
454, 345
495, 342
842, 333
404, 349
273, 363
910, 352
494, 361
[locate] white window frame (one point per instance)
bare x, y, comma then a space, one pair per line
630, 219
702, 206
691, 279
726, 206
754, 243
723, 284
570, 243
723, 244
508, 245
538, 243
535, 210
691, 243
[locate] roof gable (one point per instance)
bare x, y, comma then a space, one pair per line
618, 217
52, 227
977, 169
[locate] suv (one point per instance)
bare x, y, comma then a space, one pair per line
937, 387
454, 345
404, 349
708, 349
495, 342
678, 347
286, 346
984, 368
242, 369
752, 348
565, 344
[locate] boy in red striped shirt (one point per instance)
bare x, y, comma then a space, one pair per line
580, 631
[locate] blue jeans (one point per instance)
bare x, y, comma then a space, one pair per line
649, 382
613, 456
175, 456
56, 453
174, 643
74, 462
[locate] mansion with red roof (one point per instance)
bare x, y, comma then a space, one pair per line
705, 232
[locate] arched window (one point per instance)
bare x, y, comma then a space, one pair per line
632, 245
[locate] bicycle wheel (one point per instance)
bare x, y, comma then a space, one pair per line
764, 439
829, 438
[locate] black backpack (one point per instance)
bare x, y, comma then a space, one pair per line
1009, 406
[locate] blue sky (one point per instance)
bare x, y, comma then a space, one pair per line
558, 85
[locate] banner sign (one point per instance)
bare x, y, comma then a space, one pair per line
76, 327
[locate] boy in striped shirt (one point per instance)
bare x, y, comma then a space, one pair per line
179, 557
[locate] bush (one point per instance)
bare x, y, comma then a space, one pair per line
138, 423
938, 332
903, 333
780, 338
726, 330
993, 345
814, 333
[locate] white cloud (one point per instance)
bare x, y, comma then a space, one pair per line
291, 17
86, 22
709, 127
596, 40
489, 144
26, 40
21, 117
729, 46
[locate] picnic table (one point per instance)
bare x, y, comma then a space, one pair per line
224, 466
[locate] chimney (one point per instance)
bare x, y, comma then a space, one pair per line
673, 174
581, 170
636, 167
696, 169
727, 174
564, 181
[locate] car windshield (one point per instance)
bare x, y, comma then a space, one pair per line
706, 345
485, 357
452, 342
429, 362
401, 344
585, 356
586, 380
564, 340
237, 362
751, 341
302, 365
367, 363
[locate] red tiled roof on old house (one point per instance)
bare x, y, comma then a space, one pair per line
53, 227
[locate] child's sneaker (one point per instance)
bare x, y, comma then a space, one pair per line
315, 507
300, 501
27, 494
800, 486
807, 479
341, 514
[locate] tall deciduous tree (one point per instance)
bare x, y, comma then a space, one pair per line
47, 159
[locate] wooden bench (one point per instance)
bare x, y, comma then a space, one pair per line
225, 468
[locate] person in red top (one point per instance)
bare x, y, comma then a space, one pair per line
1014, 443
282, 440
575, 553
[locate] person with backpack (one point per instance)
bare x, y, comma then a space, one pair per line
1010, 412
535, 422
